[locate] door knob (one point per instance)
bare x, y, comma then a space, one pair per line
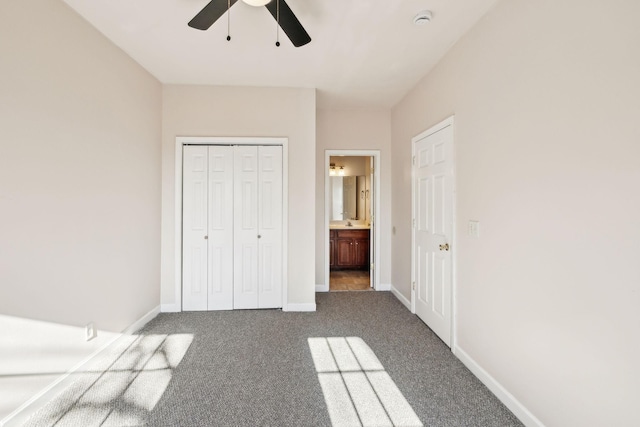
444, 247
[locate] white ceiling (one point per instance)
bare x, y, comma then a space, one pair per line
363, 53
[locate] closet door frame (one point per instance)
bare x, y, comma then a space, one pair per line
190, 140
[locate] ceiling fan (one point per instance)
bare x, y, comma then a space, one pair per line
279, 9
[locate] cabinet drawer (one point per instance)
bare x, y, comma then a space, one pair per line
353, 234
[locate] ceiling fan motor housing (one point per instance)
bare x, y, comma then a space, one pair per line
256, 3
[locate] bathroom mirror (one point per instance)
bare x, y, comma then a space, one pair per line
348, 197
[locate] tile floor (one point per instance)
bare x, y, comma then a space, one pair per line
349, 280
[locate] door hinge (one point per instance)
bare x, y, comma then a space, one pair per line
413, 286
413, 160
373, 266
413, 223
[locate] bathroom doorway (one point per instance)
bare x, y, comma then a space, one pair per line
350, 212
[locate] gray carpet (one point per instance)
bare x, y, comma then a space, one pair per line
255, 368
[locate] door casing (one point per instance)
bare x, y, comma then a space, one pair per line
375, 154
190, 140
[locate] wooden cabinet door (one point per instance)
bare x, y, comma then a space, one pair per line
332, 249
344, 255
361, 253
349, 249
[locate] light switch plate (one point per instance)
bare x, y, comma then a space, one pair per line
474, 228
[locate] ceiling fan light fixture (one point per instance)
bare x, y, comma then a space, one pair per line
256, 3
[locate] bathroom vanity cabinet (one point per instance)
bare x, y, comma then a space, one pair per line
349, 249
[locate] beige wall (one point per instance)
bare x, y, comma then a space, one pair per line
248, 112
79, 172
546, 102
354, 130
79, 193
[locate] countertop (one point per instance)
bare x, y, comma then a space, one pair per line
349, 227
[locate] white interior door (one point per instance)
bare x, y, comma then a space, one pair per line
194, 228
270, 226
220, 241
433, 230
232, 227
246, 227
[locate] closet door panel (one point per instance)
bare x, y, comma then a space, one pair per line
245, 227
270, 226
220, 207
194, 228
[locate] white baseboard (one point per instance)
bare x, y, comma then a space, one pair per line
141, 321
401, 297
300, 307
518, 409
170, 308
383, 287
27, 409
322, 288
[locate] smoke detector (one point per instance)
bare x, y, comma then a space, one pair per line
422, 17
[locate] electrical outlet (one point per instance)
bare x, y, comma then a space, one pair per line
474, 228
90, 331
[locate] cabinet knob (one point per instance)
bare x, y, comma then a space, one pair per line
206, 237
259, 236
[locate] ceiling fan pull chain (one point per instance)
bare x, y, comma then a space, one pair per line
278, 23
228, 20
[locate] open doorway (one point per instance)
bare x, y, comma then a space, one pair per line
351, 208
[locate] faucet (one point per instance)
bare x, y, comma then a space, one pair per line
349, 224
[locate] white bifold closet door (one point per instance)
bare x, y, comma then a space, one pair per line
232, 227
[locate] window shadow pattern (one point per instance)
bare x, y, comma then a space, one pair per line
357, 389
121, 387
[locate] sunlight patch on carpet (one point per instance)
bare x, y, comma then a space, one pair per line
125, 392
357, 389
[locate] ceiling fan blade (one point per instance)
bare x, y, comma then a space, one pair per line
289, 23
210, 14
